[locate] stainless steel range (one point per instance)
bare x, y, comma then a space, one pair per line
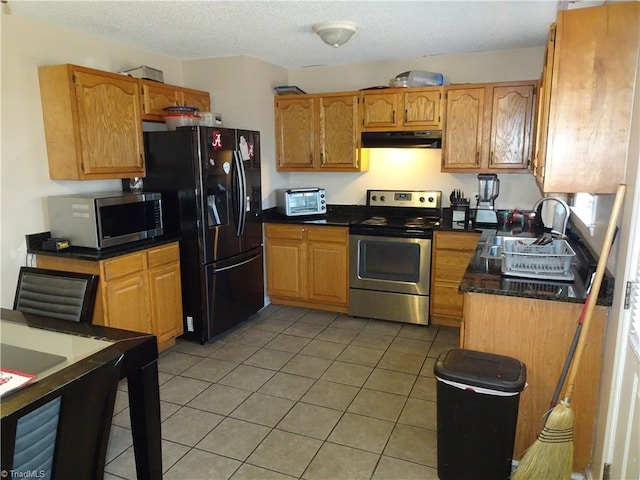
390, 255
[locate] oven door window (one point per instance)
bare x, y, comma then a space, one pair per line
398, 262
385, 264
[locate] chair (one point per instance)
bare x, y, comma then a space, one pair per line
57, 294
63, 431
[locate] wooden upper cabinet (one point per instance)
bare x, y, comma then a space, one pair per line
295, 132
488, 127
593, 79
338, 136
196, 98
156, 96
379, 111
402, 109
464, 127
542, 109
92, 122
511, 126
422, 108
319, 133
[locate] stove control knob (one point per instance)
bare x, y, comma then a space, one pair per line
374, 198
422, 200
431, 199
382, 198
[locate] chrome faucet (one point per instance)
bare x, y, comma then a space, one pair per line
560, 219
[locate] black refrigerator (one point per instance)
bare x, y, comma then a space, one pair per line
211, 197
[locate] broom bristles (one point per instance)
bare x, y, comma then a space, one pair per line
551, 455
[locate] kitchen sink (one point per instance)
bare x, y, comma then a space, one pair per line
492, 248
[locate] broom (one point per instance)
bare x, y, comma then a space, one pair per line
574, 341
551, 455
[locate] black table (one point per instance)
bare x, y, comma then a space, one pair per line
139, 367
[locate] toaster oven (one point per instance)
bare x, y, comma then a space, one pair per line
301, 201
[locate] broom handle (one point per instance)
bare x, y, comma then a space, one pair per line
595, 288
576, 336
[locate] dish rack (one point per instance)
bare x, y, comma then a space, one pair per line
551, 261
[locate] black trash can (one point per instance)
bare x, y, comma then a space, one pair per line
478, 395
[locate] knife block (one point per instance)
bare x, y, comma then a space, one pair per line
460, 217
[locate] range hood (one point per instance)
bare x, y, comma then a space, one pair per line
414, 139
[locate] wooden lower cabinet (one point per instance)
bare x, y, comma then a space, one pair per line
140, 291
451, 254
307, 265
539, 333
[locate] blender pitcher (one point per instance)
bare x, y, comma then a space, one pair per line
488, 190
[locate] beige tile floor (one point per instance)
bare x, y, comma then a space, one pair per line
296, 393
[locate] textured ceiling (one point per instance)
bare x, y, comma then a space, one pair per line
280, 32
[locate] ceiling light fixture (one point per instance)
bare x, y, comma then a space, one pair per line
335, 33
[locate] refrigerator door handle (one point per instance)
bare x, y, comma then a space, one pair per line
246, 194
243, 193
236, 265
239, 192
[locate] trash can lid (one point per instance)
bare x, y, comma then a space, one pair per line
481, 369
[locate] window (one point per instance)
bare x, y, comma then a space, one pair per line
584, 207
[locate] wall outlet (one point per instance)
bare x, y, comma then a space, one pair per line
190, 324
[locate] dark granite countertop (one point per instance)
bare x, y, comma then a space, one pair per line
90, 254
344, 215
484, 275
337, 216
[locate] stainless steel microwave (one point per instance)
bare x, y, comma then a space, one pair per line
301, 201
105, 219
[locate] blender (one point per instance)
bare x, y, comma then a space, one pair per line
488, 190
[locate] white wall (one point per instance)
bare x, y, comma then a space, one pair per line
415, 169
476, 67
24, 169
